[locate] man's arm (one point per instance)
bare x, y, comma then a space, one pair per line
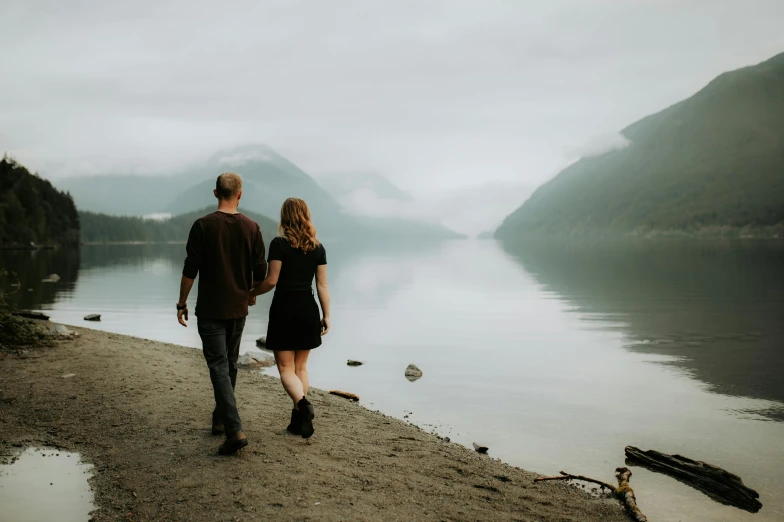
270, 281
259, 264
259, 258
186, 283
189, 271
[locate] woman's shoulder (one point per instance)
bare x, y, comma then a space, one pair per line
280, 243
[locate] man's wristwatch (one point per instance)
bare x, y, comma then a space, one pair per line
181, 307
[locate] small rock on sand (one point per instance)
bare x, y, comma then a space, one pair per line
480, 449
92, 317
62, 332
352, 362
255, 360
413, 373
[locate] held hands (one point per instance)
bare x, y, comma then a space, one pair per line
182, 316
251, 300
324, 326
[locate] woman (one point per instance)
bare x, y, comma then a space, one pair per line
295, 326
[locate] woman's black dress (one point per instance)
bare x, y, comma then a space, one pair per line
294, 317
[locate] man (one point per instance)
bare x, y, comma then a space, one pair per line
227, 251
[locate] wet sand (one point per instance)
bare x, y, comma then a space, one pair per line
139, 411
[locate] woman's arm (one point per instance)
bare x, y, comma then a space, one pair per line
271, 280
322, 288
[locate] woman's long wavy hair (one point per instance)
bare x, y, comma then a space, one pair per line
295, 225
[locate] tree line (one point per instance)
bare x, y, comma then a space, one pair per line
104, 228
32, 211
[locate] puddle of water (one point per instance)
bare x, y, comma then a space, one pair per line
45, 484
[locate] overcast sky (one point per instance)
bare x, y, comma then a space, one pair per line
433, 95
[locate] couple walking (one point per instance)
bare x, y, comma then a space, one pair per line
227, 251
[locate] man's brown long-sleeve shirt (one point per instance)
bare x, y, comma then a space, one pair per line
227, 250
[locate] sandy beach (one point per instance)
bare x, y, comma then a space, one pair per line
139, 411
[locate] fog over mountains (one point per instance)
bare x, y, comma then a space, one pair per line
339, 201
711, 163
268, 179
469, 210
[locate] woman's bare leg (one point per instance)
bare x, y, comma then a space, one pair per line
301, 368
288, 376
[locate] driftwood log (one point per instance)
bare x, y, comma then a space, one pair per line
27, 314
717, 483
345, 395
623, 492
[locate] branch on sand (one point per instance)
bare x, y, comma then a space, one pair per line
623, 492
346, 395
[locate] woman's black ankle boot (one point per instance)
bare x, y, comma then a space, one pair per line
306, 415
295, 425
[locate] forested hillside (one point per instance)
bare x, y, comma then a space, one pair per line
32, 211
103, 228
713, 163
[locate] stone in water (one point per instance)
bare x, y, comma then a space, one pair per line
413, 373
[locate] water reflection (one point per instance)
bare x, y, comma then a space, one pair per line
134, 287
716, 309
45, 484
33, 266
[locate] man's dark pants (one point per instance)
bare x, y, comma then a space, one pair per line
221, 345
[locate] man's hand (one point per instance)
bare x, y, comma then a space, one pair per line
251, 300
182, 305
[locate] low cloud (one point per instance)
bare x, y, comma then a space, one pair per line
471, 210
598, 145
256, 153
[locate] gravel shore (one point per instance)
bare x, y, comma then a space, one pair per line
139, 411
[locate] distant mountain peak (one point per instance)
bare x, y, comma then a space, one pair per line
342, 185
245, 154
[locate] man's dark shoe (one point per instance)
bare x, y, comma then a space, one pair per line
218, 429
306, 415
232, 445
296, 423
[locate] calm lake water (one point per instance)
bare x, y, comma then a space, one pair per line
556, 356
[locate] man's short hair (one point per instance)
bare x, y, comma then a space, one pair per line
228, 185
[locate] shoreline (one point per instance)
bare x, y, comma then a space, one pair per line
139, 411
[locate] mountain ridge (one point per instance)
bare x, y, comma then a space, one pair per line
710, 164
268, 179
